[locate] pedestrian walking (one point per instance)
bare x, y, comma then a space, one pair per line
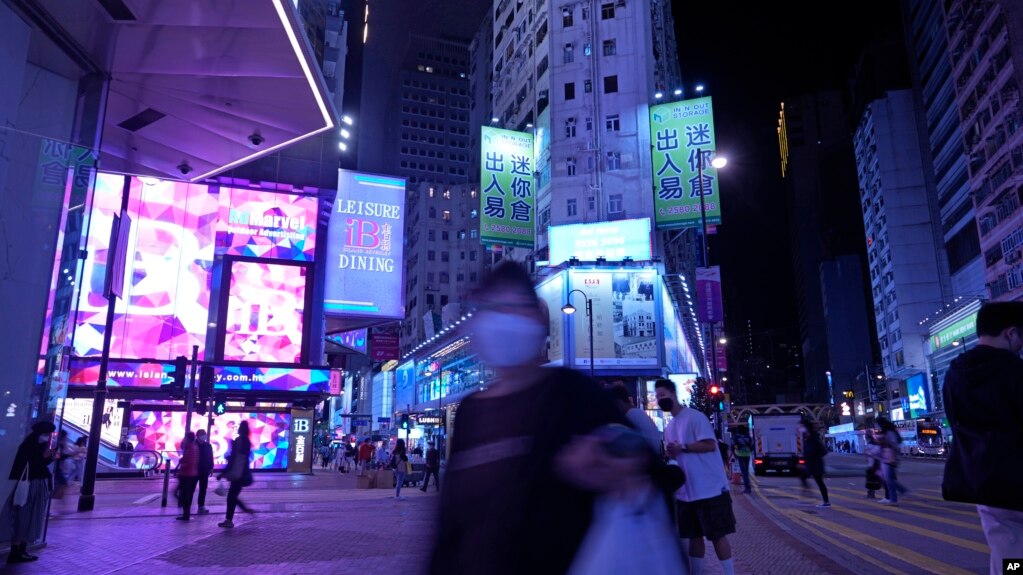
890, 439
983, 395
238, 473
400, 466
432, 468
205, 468
65, 468
703, 504
742, 448
188, 475
365, 456
24, 513
526, 462
873, 473
81, 450
814, 451
324, 456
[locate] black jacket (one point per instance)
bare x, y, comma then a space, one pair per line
30, 453
205, 458
983, 395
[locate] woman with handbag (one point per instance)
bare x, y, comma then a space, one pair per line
24, 514
238, 473
400, 464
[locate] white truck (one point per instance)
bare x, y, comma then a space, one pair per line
777, 443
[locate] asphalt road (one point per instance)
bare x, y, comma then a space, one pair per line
924, 534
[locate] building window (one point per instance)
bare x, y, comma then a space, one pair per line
610, 84
472, 276
589, 124
571, 207
461, 234
566, 17
447, 194
433, 212
460, 278
570, 90
447, 215
612, 123
610, 47
444, 235
614, 161
570, 128
570, 165
472, 256
431, 256
445, 278
587, 86
429, 278
614, 203
569, 54
429, 299
591, 203
462, 257
474, 233
431, 235
607, 11
443, 300
445, 256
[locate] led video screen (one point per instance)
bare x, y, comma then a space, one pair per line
265, 308
121, 373
164, 430
262, 224
261, 378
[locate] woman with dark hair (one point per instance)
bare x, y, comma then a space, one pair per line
399, 463
814, 452
890, 439
188, 475
22, 521
237, 472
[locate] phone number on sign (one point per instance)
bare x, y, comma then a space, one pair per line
687, 209
508, 229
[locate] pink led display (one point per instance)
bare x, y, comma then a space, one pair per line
264, 312
164, 430
263, 224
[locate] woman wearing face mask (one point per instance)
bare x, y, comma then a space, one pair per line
22, 524
523, 472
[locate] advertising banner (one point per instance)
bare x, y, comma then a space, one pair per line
336, 375
961, 329
383, 344
356, 340
77, 412
613, 241
365, 275
121, 373
709, 307
265, 224
680, 132
916, 386
405, 386
624, 318
301, 454
262, 378
551, 294
164, 430
265, 309
508, 199
685, 386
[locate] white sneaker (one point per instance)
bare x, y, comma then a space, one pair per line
884, 501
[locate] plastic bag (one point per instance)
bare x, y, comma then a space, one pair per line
221, 489
630, 534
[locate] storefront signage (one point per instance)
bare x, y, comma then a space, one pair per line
612, 241
300, 456
507, 188
265, 224
959, 330
430, 420
364, 272
680, 131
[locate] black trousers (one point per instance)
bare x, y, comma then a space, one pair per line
426, 479
232, 499
187, 486
204, 483
818, 477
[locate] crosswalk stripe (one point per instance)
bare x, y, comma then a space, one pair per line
964, 509
892, 549
903, 510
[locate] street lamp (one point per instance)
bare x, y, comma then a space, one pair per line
717, 162
569, 309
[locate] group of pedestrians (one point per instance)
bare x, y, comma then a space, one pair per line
196, 467
882, 451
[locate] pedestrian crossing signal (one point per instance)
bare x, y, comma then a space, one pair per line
405, 423
220, 407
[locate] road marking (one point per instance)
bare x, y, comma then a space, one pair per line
891, 549
972, 513
905, 511
147, 499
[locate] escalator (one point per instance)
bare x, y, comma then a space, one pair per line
114, 462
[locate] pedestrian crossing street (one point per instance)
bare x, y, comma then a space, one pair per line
924, 534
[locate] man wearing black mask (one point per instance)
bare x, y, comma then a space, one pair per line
703, 503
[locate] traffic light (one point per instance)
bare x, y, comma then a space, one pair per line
176, 389
717, 397
405, 422
219, 406
714, 390
205, 384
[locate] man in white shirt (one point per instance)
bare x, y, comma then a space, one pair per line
704, 504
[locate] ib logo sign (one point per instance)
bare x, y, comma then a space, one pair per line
301, 426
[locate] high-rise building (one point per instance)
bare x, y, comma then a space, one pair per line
822, 198
907, 279
945, 168
581, 75
843, 301
986, 50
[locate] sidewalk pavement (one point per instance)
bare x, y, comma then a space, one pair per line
320, 524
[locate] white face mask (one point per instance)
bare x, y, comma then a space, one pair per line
506, 339
44, 439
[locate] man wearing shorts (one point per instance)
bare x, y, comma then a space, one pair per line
704, 505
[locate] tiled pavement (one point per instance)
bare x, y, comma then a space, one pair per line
317, 524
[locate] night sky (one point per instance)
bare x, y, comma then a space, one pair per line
750, 57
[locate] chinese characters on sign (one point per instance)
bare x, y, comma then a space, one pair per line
508, 188
680, 132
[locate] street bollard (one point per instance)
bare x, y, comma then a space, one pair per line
166, 482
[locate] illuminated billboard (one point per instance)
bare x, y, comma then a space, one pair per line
624, 317
507, 184
365, 275
405, 385
685, 386
265, 308
262, 378
264, 224
612, 241
551, 294
917, 389
121, 373
164, 430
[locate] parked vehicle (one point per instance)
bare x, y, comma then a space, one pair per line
777, 443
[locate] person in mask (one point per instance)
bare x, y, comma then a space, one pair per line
23, 524
524, 466
983, 395
703, 503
